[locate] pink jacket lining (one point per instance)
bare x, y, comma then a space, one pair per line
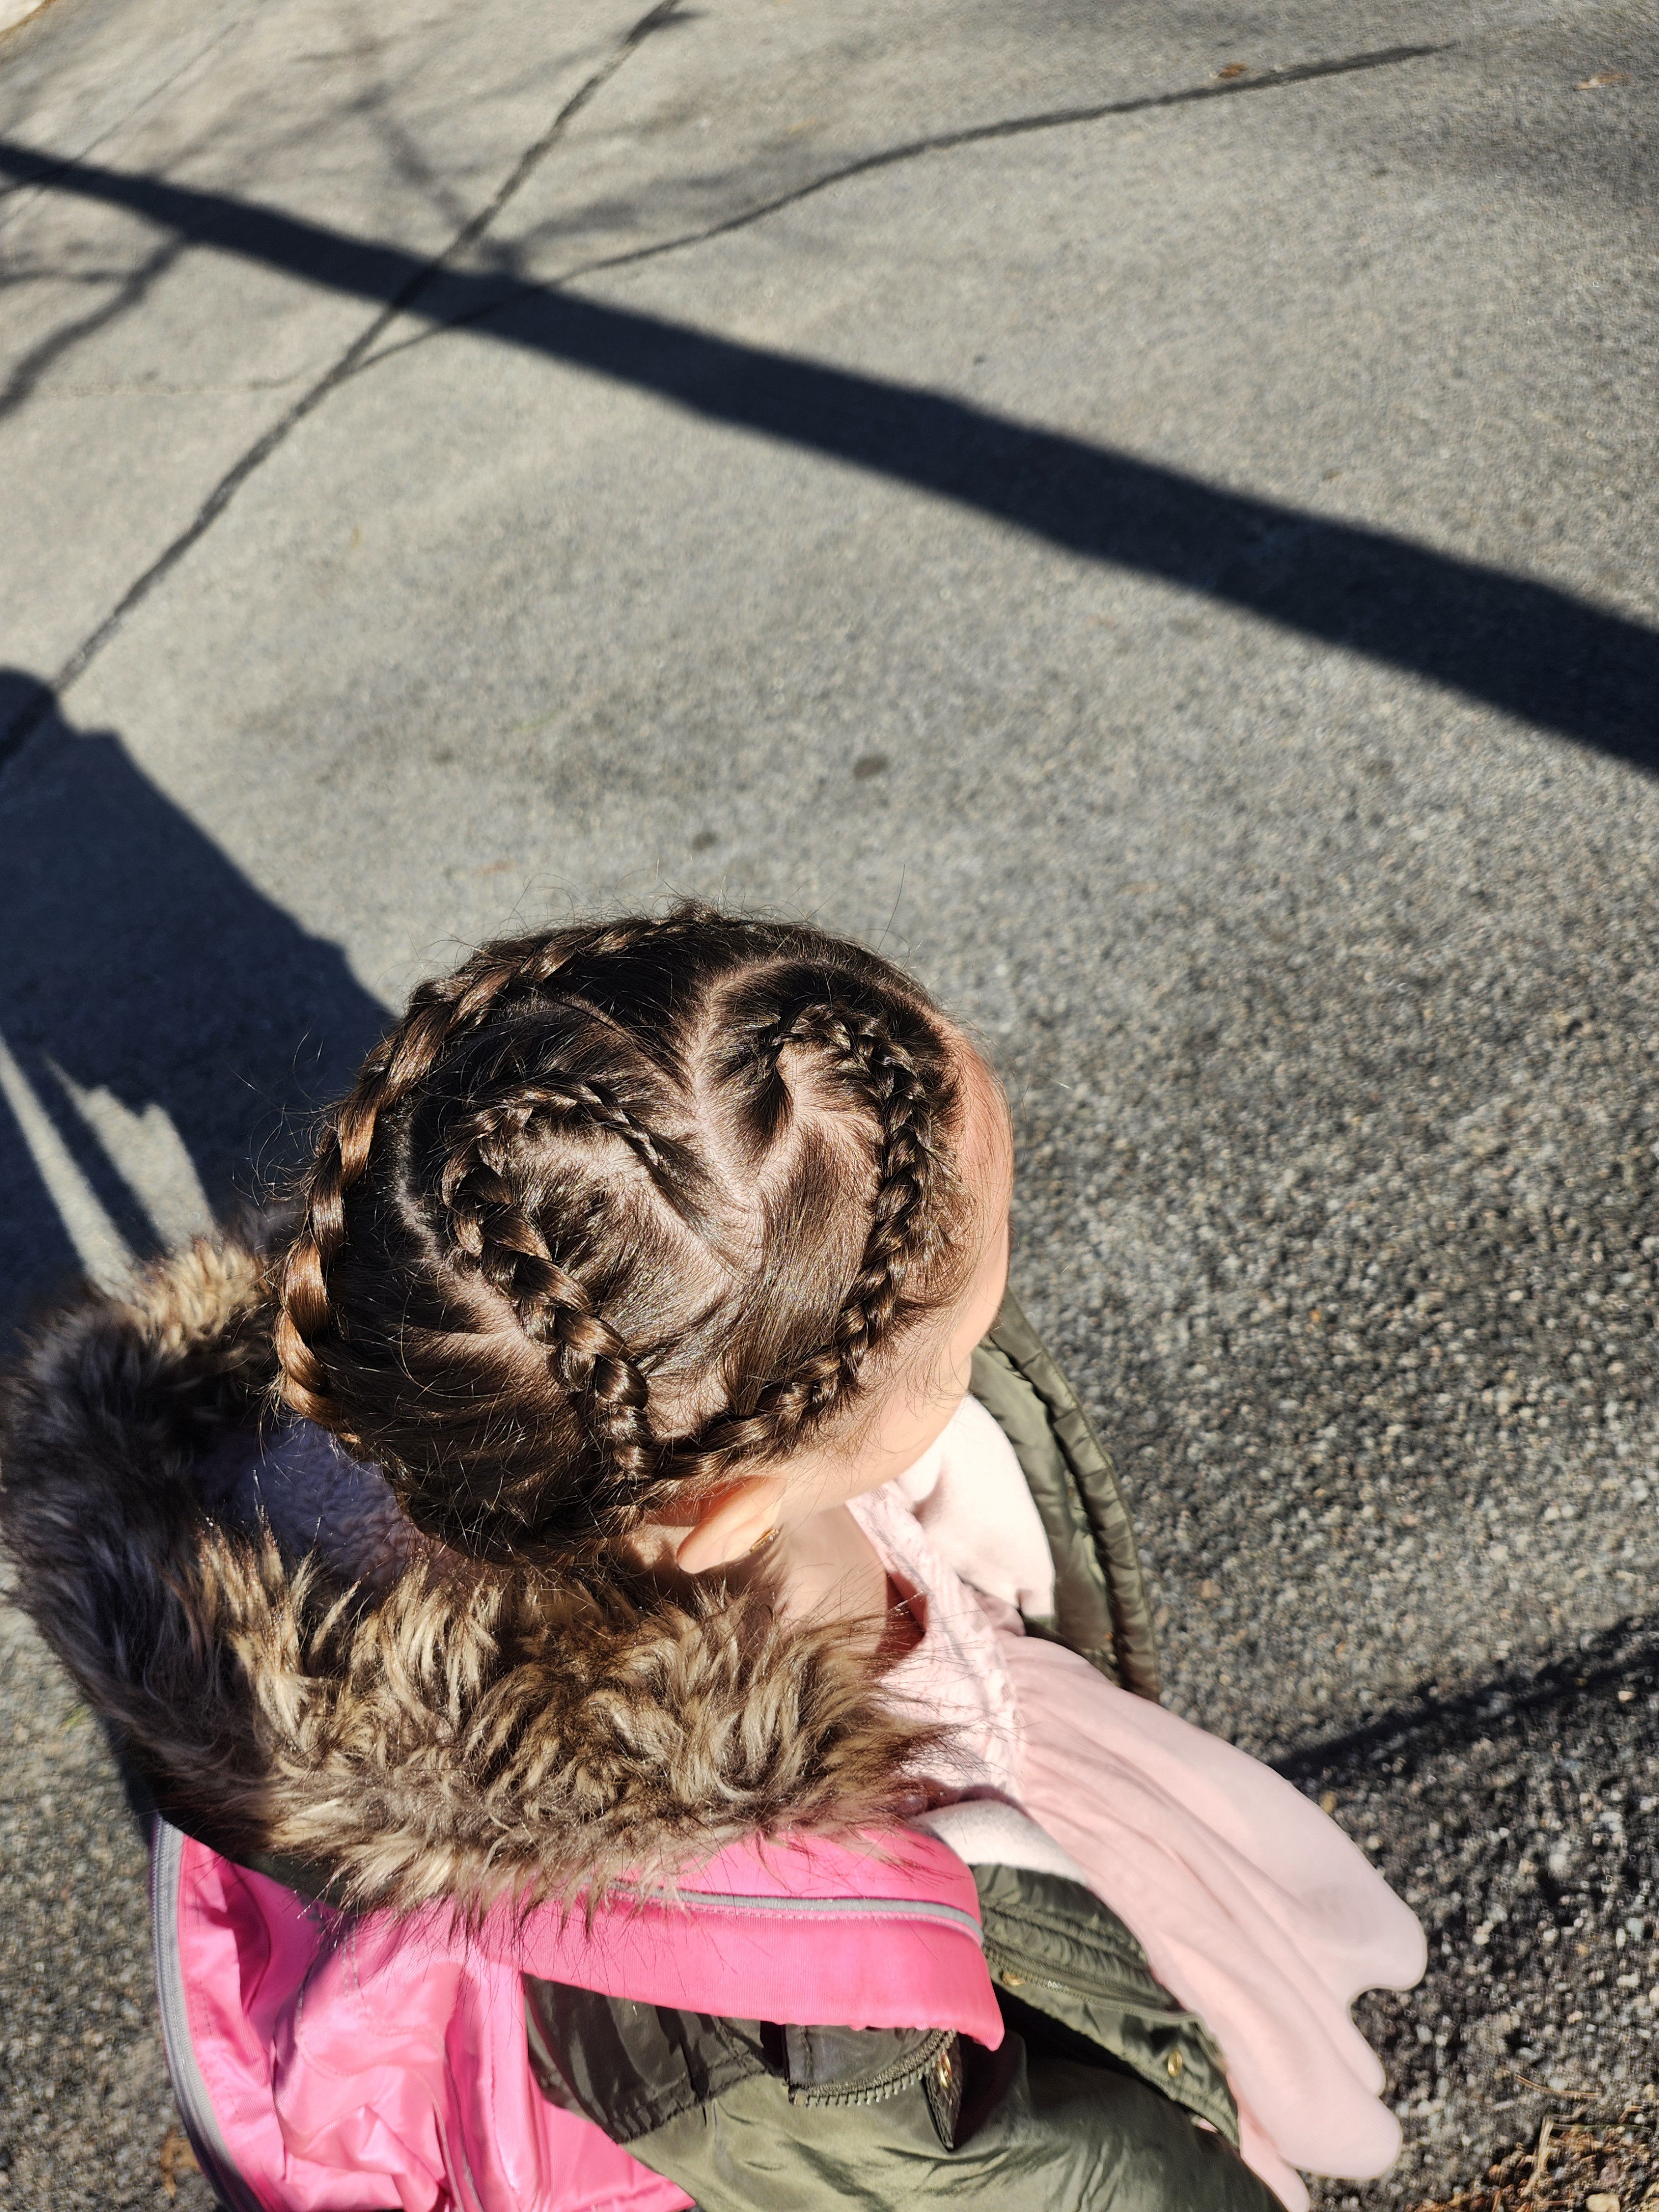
345, 2065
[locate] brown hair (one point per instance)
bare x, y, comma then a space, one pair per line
616, 1209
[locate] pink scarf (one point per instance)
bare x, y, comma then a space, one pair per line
1255, 1911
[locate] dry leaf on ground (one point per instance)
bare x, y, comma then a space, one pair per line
175, 2157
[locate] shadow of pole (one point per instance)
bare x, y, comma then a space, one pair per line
162, 1023
1526, 648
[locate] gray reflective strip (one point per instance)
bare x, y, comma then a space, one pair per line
195, 2107
823, 1908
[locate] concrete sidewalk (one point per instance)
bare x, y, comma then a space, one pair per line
1170, 551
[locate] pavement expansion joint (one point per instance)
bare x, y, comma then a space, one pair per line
13, 194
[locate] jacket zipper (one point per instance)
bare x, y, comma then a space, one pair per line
190, 2090
1013, 1970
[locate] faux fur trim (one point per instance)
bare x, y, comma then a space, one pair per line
459, 1735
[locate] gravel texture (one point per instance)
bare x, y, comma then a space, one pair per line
1354, 1253
1520, 1822
86, 2113
1128, 639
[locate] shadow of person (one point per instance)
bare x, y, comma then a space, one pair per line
165, 1030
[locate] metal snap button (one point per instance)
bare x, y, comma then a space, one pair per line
1174, 2065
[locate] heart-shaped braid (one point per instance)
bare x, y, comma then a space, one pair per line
510, 1247
439, 1012
857, 1049
590, 1227
908, 1164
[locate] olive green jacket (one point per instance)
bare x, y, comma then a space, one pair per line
1103, 2094
241, 1675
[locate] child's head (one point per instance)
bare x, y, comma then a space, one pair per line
623, 1221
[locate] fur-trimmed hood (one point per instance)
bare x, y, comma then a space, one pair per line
439, 1731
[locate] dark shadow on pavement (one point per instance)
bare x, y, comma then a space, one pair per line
143, 971
1525, 647
1521, 647
1623, 1658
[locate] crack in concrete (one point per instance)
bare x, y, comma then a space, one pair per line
1560, 662
1017, 126
134, 289
360, 354
247, 388
231, 482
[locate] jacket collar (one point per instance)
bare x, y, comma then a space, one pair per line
445, 1732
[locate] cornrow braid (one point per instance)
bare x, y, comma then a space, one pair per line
907, 1166
510, 1248
862, 1051
439, 1012
614, 1210
555, 1310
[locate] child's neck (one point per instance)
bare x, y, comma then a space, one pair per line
828, 1568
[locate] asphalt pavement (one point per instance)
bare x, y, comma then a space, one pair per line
1146, 511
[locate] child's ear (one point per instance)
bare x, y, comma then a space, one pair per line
733, 1524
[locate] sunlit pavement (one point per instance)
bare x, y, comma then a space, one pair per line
1149, 512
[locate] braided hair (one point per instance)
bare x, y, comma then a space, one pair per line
615, 1210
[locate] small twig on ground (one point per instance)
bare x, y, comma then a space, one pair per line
1570, 2096
1610, 2166
1542, 2162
